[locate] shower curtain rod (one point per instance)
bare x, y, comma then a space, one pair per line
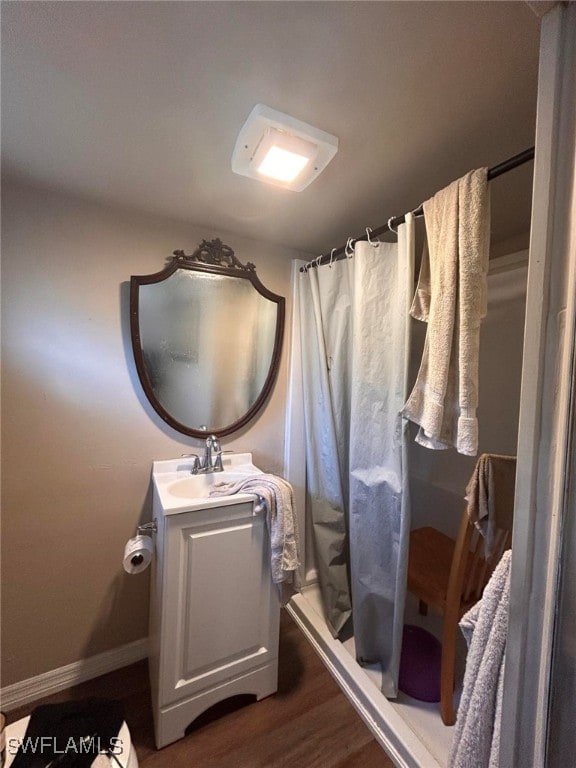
390, 226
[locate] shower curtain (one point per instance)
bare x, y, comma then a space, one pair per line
355, 348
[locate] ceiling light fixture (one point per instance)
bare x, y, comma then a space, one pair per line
279, 149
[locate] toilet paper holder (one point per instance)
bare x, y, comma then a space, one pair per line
149, 528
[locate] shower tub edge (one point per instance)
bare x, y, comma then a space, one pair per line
390, 730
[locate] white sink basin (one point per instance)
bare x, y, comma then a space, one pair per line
199, 486
178, 490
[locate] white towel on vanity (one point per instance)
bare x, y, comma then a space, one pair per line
452, 298
477, 733
278, 497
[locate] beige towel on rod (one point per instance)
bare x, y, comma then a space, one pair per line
452, 298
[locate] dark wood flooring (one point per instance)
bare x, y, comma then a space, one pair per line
308, 723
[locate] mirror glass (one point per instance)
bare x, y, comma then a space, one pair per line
206, 336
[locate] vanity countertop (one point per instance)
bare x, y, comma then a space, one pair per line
179, 490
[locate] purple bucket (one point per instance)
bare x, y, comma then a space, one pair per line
420, 664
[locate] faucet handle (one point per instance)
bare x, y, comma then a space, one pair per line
195, 461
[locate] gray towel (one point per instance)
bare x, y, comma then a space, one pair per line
490, 496
451, 298
476, 741
278, 497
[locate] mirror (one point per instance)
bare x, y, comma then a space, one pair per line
207, 337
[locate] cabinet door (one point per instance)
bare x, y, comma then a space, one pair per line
220, 606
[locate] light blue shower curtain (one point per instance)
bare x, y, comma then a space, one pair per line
355, 342
325, 323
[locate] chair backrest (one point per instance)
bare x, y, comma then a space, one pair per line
480, 568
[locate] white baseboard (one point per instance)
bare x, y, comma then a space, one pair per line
17, 694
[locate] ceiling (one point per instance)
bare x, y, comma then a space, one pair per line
138, 104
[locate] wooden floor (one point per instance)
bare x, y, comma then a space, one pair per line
308, 723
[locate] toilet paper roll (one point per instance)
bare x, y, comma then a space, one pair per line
138, 554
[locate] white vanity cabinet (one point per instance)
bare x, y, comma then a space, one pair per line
214, 610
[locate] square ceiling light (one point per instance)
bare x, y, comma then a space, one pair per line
276, 148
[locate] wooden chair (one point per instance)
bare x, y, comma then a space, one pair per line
449, 577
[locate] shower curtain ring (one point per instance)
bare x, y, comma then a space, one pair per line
373, 243
331, 257
389, 225
318, 260
349, 249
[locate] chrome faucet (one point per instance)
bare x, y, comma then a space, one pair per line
211, 461
212, 455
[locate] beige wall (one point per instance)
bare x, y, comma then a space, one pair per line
78, 436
